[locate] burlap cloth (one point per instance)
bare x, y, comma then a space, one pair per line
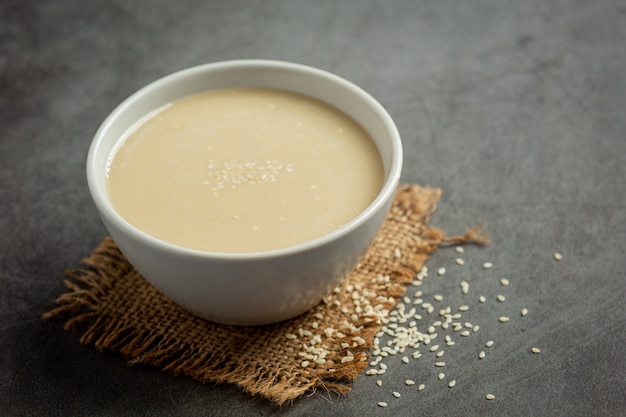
327, 348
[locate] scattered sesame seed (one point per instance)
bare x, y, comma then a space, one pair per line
475, 328
535, 350
382, 404
439, 354
487, 265
405, 359
372, 372
481, 355
398, 253
396, 394
557, 256
524, 312
504, 282
347, 358
482, 299
463, 308
421, 387
434, 348
459, 249
379, 382
441, 376
451, 383
409, 382
490, 397
501, 298
503, 319
441, 271
438, 297
460, 261
440, 364
465, 333
489, 343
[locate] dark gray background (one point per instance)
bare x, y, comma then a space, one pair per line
515, 109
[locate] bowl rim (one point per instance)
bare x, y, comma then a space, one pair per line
106, 209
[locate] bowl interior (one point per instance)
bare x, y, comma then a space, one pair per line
315, 83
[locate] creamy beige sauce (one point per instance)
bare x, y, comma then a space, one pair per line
244, 170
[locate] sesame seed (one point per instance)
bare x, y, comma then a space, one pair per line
490, 397
451, 383
481, 355
440, 364
439, 354
475, 328
434, 348
489, 343
557, 256
441, 271
482, 299
524, 312
438, 297
379, 382
487, 265
504, 282
405, 359
535, 350
347, 358
465, 333
441, 376
501, 298
382, 404
305, 364
372, 372
398, 253
503, 319
409, 382
460, 261
463, 308
396, 394
459, 249
421, 387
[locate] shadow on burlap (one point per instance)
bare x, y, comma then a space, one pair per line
116, 309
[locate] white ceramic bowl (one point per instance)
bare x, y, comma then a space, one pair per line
248, 288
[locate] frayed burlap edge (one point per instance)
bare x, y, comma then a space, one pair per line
325, 349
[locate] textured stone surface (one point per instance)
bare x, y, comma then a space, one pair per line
514, 109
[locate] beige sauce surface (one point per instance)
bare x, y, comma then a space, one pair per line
244, 170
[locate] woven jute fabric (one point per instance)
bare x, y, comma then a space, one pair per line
115, 309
